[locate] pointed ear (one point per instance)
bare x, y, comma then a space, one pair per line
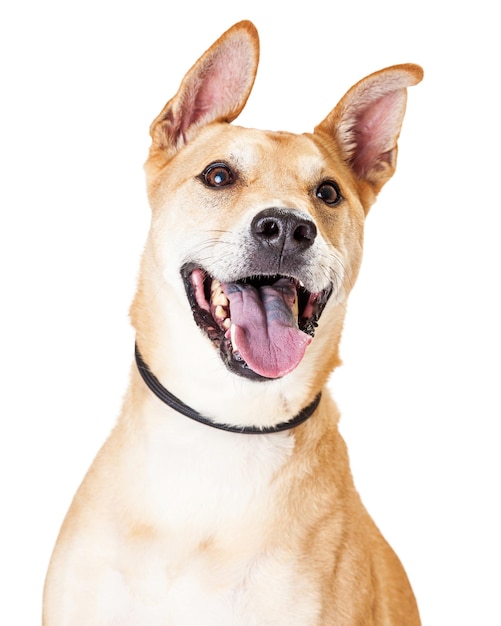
366, 123
214, 90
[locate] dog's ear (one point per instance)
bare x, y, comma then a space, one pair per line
214, 90
366, 123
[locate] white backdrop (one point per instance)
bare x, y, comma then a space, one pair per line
419, 390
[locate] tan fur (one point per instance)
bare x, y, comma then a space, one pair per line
177, 523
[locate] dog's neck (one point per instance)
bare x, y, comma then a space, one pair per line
172, 401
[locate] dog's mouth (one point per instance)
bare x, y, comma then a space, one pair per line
261, 325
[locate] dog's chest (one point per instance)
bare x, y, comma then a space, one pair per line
197, 480
268, 591
211, 498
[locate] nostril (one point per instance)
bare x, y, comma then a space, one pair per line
268, 228
305, 233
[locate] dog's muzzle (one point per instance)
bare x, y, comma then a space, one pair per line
262, 322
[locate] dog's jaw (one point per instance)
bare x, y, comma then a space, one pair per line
275, 323
189, 364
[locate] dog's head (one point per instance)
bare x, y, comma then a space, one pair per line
260, 233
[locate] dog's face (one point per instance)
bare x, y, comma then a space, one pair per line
263, 229
260, 233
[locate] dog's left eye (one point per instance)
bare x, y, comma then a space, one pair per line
217, 175
329, 192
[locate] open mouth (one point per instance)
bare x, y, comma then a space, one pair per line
261, 325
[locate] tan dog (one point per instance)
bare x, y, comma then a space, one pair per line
256, 241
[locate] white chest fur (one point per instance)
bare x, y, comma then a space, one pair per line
207, 506
191, 474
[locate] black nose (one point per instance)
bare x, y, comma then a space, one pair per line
287, 230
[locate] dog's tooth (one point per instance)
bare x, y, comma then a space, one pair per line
220, 312
226, 323
233, 329
215, 285
295, 307
219, 299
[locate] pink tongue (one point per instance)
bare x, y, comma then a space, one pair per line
266, 332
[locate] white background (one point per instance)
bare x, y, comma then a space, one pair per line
420, 386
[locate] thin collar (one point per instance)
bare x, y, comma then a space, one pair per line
166, 396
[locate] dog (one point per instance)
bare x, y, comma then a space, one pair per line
223, 496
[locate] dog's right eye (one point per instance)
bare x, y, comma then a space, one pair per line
217, 175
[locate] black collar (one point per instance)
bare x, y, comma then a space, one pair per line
166, 396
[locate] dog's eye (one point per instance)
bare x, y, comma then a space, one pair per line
329, 192
217, 175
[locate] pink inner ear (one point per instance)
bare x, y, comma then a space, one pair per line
221, 87
198, 101
376, 131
